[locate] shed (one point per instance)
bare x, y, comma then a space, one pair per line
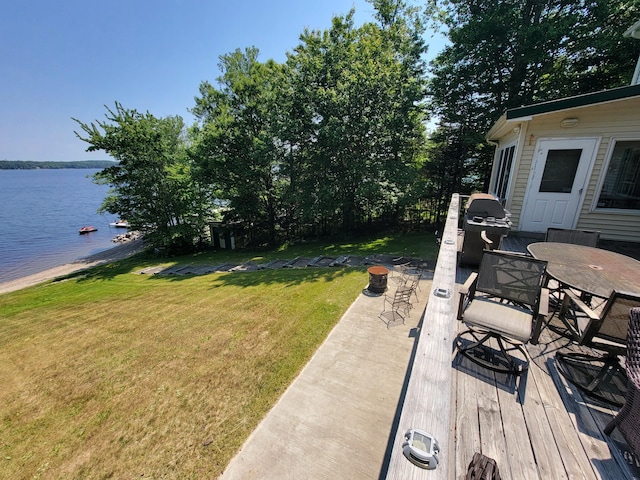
571, 163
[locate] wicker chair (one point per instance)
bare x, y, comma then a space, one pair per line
605, 331
628, 418
504, 302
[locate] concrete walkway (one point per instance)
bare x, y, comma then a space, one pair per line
336, 418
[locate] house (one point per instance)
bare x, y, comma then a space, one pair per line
571, 163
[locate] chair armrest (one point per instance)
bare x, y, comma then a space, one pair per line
541, 315
579, 303
467, 291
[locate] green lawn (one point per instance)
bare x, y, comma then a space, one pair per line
111, 374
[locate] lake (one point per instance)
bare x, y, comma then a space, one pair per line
41, 212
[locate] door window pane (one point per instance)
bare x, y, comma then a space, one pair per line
560, 170
621, 188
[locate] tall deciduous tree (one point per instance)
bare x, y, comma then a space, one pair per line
356, 128
151, 185
237, 148
329, 139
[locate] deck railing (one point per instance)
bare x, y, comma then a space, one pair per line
427, 402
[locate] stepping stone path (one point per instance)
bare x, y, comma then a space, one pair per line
298, 262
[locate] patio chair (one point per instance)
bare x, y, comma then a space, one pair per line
588, 238
399, 273
504, 302
599, 376
399, 305
628, 418
411, 285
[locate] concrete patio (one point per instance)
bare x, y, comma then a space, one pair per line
336, 418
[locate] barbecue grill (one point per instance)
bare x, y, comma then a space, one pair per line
486, 223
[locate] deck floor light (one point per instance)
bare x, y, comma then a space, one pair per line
421, 448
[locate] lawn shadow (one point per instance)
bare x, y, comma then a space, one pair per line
283, 276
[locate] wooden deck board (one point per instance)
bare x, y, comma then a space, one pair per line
589, 431
568, 446
467, 436
517, 435
492, 437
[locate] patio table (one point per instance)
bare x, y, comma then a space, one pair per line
595, 272
591, 270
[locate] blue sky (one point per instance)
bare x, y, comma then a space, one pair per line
69, 58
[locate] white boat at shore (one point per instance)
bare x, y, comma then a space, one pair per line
120, 224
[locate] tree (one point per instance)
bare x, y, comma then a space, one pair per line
509, 53
355, 127
236, 146
323, 142
151, 185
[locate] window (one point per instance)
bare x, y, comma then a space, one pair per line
621, 187
505, 162
560, 170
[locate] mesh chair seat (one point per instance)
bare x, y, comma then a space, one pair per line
499, 304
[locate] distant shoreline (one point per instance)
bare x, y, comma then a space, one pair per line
110, 255
33, 165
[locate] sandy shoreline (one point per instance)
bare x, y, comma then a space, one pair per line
111, 255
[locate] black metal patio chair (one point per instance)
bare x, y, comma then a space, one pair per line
504, 302
395, 307
600, 376
588, 238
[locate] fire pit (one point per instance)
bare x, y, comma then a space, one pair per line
377, 279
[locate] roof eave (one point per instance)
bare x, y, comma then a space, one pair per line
603, 96
503, 126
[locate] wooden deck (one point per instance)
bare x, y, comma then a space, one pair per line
536, 426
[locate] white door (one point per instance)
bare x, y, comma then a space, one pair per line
556, 183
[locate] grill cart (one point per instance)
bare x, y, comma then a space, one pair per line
486, 222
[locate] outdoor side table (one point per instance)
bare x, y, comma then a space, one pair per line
377, 279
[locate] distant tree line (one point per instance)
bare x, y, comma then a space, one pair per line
30, 165
333, 140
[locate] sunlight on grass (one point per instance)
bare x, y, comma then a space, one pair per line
166, 374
